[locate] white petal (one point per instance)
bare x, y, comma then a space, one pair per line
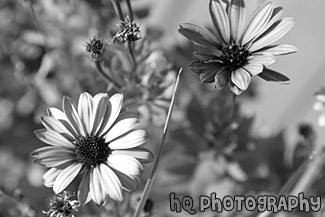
220, 19
276, 14
253, 69
128, 114
241, 78
57, 114
264, 59
235, 89
71, 112
199, 35
116, 104
55, 125
277, 49
98, 97
125, 164
274, 33
274, 17
66, 177
129, 183
86, 111
61, 117
130, 140
54, 156
101, 108
237, 18
96, 187
84, 189
111, 183
120, 128
50, 176
141, 154
53, 138
257, 22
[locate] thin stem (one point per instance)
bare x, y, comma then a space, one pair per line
295, 176
118, 8
128, 2
315, 165
151, 178
104, 75
310, 174
132, 55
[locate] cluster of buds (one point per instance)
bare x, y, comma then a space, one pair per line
62, 205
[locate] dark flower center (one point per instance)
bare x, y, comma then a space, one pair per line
92, 151
234, 56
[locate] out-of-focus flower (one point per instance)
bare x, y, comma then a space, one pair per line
96, 141
95, 48
62, 205
239, 52
130, 31
319, 105
148, 206
306, 130
155, 84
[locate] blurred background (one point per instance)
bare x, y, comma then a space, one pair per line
43, 58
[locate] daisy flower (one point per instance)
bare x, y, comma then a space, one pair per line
239, 52
92, 140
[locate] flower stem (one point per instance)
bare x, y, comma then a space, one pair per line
151, 178
132, 55
310, 175
312, 167
295, 176
118, 8
106, 76
128, 2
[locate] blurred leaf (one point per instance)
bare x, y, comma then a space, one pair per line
182, 165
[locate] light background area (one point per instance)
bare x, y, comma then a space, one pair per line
278, 106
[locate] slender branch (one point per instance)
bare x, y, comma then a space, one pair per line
312, 167
131, 15
310, 174
150, 180
118, 8
295, 176
105, 76
132, 55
